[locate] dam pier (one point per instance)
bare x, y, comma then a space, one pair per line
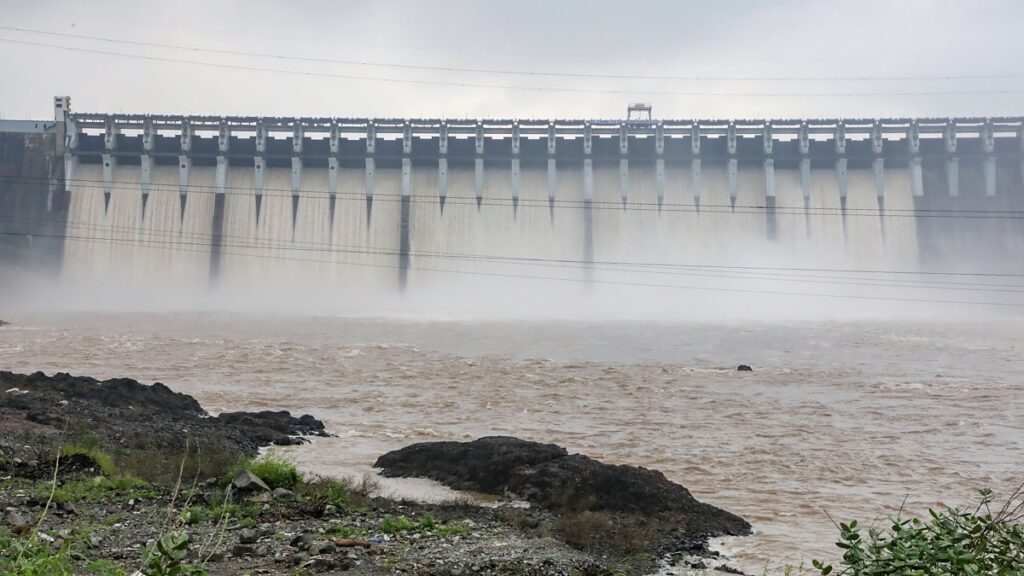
215, 200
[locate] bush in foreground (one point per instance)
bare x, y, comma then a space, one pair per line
981, 542
274, 470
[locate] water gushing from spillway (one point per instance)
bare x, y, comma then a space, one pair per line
280, 247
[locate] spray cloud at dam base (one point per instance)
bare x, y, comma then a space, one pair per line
630, 218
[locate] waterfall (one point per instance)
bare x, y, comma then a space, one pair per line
294, 249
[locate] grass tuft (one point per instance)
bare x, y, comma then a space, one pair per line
276, 471
104, 461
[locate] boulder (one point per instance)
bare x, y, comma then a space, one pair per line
548, 477
483, 465
283, 494
248, 482
744, 368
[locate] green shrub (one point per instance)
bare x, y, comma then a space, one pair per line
104, 461
452, 529
392, 525
33, 557
102, 488
167, 557
275, 471
322, 490
953, 542
194, 515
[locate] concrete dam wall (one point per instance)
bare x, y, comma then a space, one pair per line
352, 207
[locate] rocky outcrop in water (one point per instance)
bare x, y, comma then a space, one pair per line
138, 419
549, 477
2, 323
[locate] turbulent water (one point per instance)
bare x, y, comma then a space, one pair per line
298, 250
848, 418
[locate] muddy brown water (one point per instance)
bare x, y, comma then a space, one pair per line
848, 417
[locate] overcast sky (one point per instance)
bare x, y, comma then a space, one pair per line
779, 38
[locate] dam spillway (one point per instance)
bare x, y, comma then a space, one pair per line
158, 203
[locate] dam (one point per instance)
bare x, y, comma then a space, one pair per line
189, 204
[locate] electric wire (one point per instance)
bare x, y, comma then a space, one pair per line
177, 246
562, 89
614, 205
610, 266
500, 71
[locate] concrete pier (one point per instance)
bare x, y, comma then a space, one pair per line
666, 166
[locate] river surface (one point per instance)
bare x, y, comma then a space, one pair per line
845, 417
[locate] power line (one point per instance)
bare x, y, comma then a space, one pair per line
175, 246
442, 68
616, 266
564, 89
794, 274
608, 205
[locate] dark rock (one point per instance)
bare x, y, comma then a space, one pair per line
19, 522
134, 417
241, 550
247, 536
744, 368
247, 481
483, 465
320, 564
46, 418
549, 478
300, 558
321, 547
302, 541
3, 323
264, 551
273, 427
283, 494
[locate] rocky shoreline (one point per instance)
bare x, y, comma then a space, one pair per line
143, 469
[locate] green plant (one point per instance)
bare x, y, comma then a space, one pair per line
324, 490
392, 525
103, 460
194, 515
104, 568
167, 557
275, 471
952, 542
452, 529
33, 557
103, 488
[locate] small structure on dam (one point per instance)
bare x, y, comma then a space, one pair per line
219, 199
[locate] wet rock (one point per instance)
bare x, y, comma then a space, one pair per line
321, 547
247, 481
241, 550
3, 323
272, 427
744, 368
264, 551
19, 522
283, 494
302, 541
247, 536
320, 564
547, 477
483, 465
